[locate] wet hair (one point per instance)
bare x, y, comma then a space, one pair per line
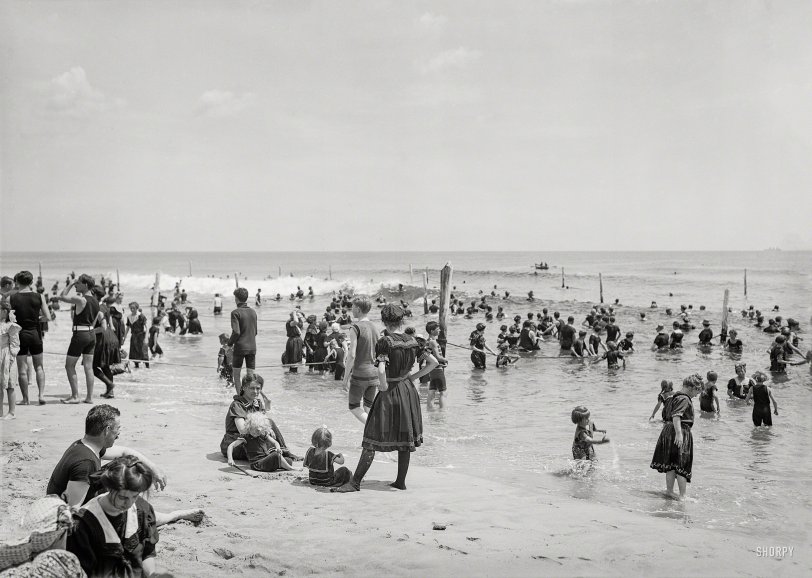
409, 331
675, 324
321, 438
391, 314
695, 380
362, 303
99, 417
712, 376
257, 424
582, 333
503, 328
223, 337
87, 280
570, 319
666, 385
579, 414
241, 294
24, 278
134, 303
630, 334
248, 379
780, 339
126, 473
156, 320
760, 376
432, 325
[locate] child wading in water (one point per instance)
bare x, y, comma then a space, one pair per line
9, 346
708, 399
582, 443
761, 394
320, 461
224, 368
666, 391
154, 332
263, 451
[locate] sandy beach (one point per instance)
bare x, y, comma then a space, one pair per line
278, 524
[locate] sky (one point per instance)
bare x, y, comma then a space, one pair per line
405, 125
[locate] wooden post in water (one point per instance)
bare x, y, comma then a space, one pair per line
445, 302
156, 290
425, 293
562, 277
411, 274
118, 282
237, 280
723, 332
745, 282
600, 280
40, 270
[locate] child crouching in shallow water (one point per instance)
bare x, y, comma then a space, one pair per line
582, 444
263, 451
320, 461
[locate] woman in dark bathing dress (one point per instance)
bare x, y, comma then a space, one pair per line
394, 422
293, 347
674, 453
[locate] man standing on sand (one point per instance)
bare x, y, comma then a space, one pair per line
243, 336
361, 380
28, 306
83, 342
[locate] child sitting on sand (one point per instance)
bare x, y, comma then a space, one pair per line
263, 451
666, 391
9, 346
319, 461
582, 443
224, 368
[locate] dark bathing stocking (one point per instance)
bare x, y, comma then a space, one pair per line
365, 461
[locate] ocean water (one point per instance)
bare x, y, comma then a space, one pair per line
510, 424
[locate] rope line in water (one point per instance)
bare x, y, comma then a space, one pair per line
514, 353
208, 367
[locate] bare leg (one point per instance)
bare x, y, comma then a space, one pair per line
237, 380
359, 414
87, 362
70, 369
430, 399
441, 398
22, 377
285, 464
11, 403
683, 487
669, 481
39, 369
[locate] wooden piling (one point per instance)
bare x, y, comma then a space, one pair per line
330, 270
445, 302
562, 277
411, 274
723, 332
118, 281
425, 293
600, 280
39, 263
156, 290
745, 282
237, 280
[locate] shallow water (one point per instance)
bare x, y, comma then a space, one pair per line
513, 424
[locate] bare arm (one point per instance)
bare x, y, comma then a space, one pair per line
677, 421
775, 403
656, 407
431, 364
230, 451
44, 308
383, 385
240, 423
75, 493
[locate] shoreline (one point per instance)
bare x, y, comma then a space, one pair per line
278, 523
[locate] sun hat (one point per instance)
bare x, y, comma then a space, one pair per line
42, 524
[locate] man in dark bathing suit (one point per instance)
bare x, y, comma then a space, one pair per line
83, 342
28, 306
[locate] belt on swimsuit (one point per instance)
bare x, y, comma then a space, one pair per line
82, 328
397, 379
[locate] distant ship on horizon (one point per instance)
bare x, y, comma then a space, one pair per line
773, 249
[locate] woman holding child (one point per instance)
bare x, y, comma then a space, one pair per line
248, 402
395, 422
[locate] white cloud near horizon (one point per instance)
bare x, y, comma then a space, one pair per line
455, 58
223, 103
70, 94
432, 22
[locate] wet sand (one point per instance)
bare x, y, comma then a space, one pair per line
279, 524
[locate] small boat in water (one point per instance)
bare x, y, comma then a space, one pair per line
542, 266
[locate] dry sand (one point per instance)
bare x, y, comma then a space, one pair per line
278, 524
